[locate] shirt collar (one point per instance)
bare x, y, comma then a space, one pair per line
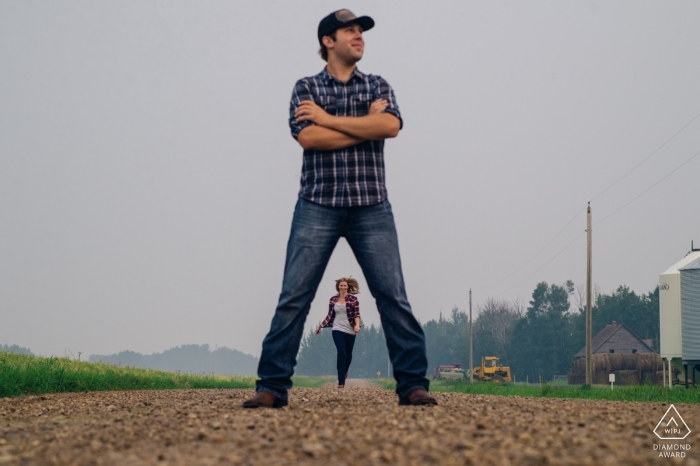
356, 74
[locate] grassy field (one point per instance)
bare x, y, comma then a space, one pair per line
302, 381
32, 375
644, 393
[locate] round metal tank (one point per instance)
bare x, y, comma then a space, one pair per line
670, 308
690, 312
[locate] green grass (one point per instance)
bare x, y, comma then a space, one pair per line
642, 393
32, 375
303, 381
386, 384
560, 389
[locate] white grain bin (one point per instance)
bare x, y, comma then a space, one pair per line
690, 313
670, 311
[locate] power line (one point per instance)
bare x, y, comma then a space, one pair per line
533, 257
599, 221
647, 158
545, 264
593, 198
648, 189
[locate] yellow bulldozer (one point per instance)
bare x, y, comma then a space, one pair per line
492, 371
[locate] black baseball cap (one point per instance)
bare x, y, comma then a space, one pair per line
340, 18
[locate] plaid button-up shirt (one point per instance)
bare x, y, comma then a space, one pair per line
348, 177
352, 307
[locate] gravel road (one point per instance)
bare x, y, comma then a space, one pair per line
353, 383
330, 426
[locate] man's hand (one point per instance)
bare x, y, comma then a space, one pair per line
318, 329
333, 132
378, 106
309, 111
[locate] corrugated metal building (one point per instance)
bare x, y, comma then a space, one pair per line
690, 314
674, 346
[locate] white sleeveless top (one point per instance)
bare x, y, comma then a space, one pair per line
341, 321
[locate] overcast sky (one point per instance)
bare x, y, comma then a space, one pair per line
148, 176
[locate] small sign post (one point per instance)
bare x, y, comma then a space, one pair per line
378, 374
611, 377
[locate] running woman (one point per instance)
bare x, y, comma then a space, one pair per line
344, 318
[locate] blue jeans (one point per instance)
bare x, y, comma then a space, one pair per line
344, 343
371, 233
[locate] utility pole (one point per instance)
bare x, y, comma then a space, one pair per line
471, 360
589, 311
388, 367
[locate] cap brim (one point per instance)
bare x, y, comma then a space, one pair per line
365, 22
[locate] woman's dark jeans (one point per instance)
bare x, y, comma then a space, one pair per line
344, 343
371, 234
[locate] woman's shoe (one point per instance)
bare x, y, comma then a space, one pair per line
341, 386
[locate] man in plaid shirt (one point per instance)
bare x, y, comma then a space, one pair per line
340, 117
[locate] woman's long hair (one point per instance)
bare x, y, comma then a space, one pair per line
353, 286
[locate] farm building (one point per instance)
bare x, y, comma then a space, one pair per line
679, 315
617, 339
617, 350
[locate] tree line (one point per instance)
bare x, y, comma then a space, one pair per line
16, 349
188, 359
317, 354
539, 339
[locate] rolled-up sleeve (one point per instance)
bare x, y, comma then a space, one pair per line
384, 91
300, 93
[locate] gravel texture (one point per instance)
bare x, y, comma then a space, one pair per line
330, 426
353, 383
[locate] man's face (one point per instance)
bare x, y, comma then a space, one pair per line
349, 44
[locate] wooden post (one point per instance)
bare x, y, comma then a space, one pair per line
663, 363
471, 360
589, 310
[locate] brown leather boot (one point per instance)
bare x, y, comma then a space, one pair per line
264, 400
417, 397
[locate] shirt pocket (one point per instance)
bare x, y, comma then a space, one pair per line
359, 104
327, 103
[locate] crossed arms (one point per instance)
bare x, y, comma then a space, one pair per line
331, 132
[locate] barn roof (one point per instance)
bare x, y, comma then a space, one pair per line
605, 334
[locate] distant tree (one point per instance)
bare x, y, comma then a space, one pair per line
370, 354
195, 359
15, 349
542, 343
439, 343
539, 341
639, 312
318, 356
493, 329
